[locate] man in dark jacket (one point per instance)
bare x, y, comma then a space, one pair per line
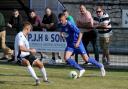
49, 20
16, 21
35, 20
50, 23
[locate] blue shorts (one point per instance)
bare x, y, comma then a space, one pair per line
80, 50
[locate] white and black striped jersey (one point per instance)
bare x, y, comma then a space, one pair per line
104, 19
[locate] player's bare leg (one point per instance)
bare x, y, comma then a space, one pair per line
31, 70
40, 65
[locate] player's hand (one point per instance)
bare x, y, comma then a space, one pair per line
77, 45
32, 51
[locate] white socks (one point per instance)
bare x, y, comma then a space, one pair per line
43, 71
32, 72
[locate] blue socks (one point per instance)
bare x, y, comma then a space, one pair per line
93, 61
72, 63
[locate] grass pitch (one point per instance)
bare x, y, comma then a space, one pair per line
17, 77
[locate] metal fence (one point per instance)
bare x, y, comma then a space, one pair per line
119, 44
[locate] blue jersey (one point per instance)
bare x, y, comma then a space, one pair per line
71, 33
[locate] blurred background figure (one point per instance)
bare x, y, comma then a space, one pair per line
85, 21
35, 20
7, 52
68, 16
50, 23
102, 21
16, 21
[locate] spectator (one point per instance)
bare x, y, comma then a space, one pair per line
85, 21
7, 51
49, 20
16, 21
50, 23
102, 20
69, 17
35, 20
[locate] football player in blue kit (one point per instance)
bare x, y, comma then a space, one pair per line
73, 36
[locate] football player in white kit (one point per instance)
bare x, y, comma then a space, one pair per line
24, 53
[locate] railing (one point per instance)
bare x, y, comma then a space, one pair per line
119, 44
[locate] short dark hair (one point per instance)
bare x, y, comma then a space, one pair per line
26, 23
32, 10
48, 8
61, 15
82, 5
101, 7
65, 10
15, 10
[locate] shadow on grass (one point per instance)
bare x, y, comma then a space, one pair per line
8, 63
62, 66
87, 67
16, 83
2, 82
15, 75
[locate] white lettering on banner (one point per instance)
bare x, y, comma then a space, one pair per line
47, 41
124, 18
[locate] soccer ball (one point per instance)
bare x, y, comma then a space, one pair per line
73, 74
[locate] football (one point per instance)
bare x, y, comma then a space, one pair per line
73, 74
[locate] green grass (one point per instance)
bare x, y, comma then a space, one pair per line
17, 77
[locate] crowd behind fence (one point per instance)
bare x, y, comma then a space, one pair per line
118, 47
